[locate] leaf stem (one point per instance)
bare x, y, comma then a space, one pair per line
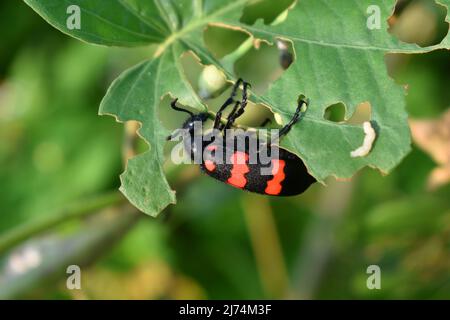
229, 60
75, 211
266, 245
195, 24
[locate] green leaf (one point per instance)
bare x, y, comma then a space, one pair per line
338, 59
117, 23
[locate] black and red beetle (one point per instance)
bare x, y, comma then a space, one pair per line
286, 174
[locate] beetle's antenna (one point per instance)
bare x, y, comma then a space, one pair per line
174, 106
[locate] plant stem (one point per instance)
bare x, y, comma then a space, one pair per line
78, 210
266, 246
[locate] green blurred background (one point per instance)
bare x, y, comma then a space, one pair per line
217, 242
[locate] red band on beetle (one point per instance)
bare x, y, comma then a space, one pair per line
240, 168
210, 166
274, 186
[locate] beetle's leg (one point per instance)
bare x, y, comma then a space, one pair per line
235, 108
236, 113
299, 113
229, 101
219, 113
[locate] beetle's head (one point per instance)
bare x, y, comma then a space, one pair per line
195, 122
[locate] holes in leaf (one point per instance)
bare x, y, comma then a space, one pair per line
222, 41
256, 61
263, 65
171, 119
419, 21
286, 53
425, 78
362, 114
337, 113
207, 81
269, 10
192, 69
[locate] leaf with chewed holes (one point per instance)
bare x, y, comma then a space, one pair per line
338, 59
